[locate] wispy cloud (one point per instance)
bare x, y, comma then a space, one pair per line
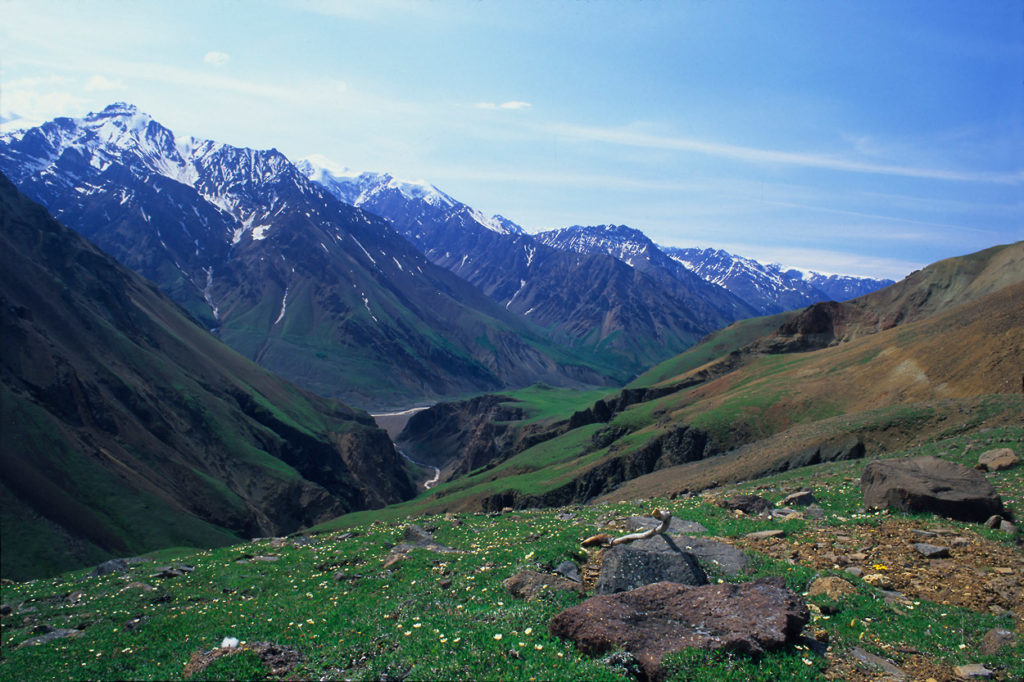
216, 58
104, 83
514, 105
629, 138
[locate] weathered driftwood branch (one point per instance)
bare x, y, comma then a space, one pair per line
605, 540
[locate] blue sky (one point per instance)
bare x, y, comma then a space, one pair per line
860, 137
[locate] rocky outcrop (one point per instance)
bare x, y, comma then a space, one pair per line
930, 484
655, 620
680, 445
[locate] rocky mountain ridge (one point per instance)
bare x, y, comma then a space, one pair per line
319, 291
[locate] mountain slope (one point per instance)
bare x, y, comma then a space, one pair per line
321, 292
937, 354
127, 427
594, 303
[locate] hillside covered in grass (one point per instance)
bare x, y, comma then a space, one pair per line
337, 604
933, 356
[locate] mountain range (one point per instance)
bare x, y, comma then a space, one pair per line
319, 291
303, 269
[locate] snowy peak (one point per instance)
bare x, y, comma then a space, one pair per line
625, 243
386, 195
771, 288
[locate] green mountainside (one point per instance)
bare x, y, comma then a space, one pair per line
126, 427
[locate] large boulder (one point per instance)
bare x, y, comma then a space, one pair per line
929, 484
655, 620
712, 555
652, 560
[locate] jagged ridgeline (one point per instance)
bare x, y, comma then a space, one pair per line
323, 293
127, 427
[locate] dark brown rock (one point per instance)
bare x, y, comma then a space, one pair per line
929, 484
748, 504
530, 585
655, 620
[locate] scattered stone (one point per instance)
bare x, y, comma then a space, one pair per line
765, 534
168, 572
1007, 527
676, 526
625, 664
994, 521
531, 585
145, 587
785, 514
655, 620
748, 504
883, 664
266, 557
971, 671
651, 560
878, 580
929, 484
998, 460
569, 569
995, 640
929, 551
50, 634
831, 586
116, 566
415, 538
801, 498
278, 659
565, 516
923, 533
815, 512
855, 571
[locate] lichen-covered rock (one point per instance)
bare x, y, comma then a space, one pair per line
652, 560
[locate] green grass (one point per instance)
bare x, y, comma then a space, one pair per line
541, 402
439, 615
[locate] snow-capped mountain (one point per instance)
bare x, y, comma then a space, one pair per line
320, 291
416, 202
772, 288
589, 301
765, 288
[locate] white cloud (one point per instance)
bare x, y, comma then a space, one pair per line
104, 83
756, 155
513, 105
216, 58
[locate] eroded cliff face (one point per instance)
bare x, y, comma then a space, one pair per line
458, 437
